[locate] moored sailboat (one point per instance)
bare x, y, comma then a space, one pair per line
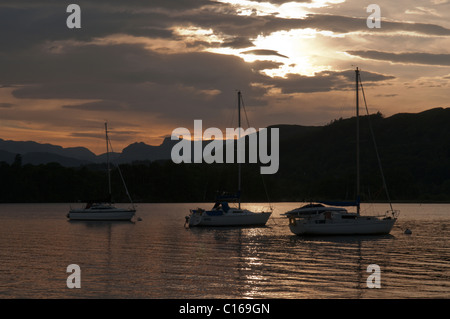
222, 214
318, 219
104, 209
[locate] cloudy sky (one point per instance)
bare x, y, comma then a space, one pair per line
150, 66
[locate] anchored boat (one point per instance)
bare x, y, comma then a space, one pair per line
221, 213
334, 219
104, 209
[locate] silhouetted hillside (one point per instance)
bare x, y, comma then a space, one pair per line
315, 163
414, 151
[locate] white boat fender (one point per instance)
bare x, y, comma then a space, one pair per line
408, 231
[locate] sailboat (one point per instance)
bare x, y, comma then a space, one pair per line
104, 209
332, 218
222, 214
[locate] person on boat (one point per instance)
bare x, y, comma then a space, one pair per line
221, 206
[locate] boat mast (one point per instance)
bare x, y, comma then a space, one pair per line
357, 144
238, 159
107, 161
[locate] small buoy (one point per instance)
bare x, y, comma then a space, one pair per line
408, 232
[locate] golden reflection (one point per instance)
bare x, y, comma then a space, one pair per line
253, 268
252, 279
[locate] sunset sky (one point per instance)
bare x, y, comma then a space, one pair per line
150, 66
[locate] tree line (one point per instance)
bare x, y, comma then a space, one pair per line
166, 182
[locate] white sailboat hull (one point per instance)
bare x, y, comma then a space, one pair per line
359, 226
244, 218
113, 214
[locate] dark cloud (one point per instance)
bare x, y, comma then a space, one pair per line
114, 4
228, 23
343, 24
32, 22
411, 57
325, 81
237, 43
264, 65
23, 27
129, 77
264, 52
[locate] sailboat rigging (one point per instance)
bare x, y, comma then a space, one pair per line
318, 219
104, 209
222, 214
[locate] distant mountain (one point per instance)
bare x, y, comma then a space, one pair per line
36, 153
143, 152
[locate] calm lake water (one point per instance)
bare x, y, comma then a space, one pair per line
159, 258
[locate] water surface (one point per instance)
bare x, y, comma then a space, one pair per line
159, 258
